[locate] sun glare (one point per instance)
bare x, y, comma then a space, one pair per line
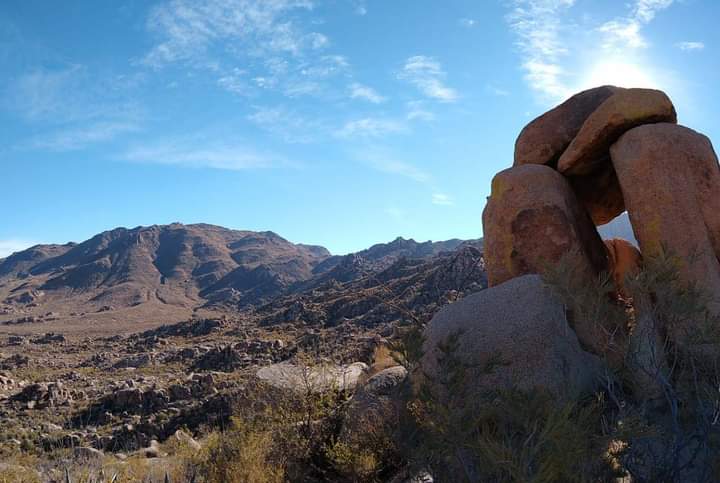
619, 73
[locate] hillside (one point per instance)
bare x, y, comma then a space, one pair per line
132, 279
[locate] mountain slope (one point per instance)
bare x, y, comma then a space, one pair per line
157, 274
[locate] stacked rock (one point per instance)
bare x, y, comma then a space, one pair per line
602, 152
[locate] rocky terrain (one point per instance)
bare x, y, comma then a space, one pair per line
130, 280
256, 359
123, 388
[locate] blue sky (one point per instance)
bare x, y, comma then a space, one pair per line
341, 122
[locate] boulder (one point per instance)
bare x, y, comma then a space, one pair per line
374, 410
532, 219
512, 336
624, 110
600, 193
624, 260
705, 171
315, 379
546, 138
656, 165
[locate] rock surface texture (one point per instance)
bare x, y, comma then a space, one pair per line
533, 219
513, 336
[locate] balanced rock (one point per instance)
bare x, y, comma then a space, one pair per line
546, 138
532, 219
624, 110
512, 336
659, 167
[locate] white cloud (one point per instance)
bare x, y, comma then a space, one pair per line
645, 10
541, 40
690, 46
623, 33
190, 30
8, 247
418, 112
427, 75
384, 161
194, 154
442, 199
359, 91
71, 107
270, 38
75, 138
551, 43
287, 125
371, 127
467, 22
626, 32
235, 82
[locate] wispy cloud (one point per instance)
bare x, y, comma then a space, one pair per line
8, 247
427, 75
233, 157
551, 43
540, 31
271, 38
189, 31
286, 124
401, 168
371, 127
72, 107
626, 32
79, 137
442, 199
417, 111
690, 46
359, 91
467, 22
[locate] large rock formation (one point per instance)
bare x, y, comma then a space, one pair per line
547, 137
668, 173
579, 166
513, 336
533, 219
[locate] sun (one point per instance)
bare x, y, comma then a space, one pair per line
619, 73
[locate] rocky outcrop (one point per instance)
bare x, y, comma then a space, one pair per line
545, 139
532, 220
660, 167
626, 109
512, 336
626, 152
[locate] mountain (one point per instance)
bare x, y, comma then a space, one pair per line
163, 273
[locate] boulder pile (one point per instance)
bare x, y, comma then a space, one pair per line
601, 153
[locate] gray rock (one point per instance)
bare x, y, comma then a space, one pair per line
512, 336
375, 407
319, 378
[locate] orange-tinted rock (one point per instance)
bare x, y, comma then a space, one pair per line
544, 139
624, 110
705, 170
623, 260
656, 165
600, 193
533, 219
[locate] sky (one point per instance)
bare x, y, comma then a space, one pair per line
341, 123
